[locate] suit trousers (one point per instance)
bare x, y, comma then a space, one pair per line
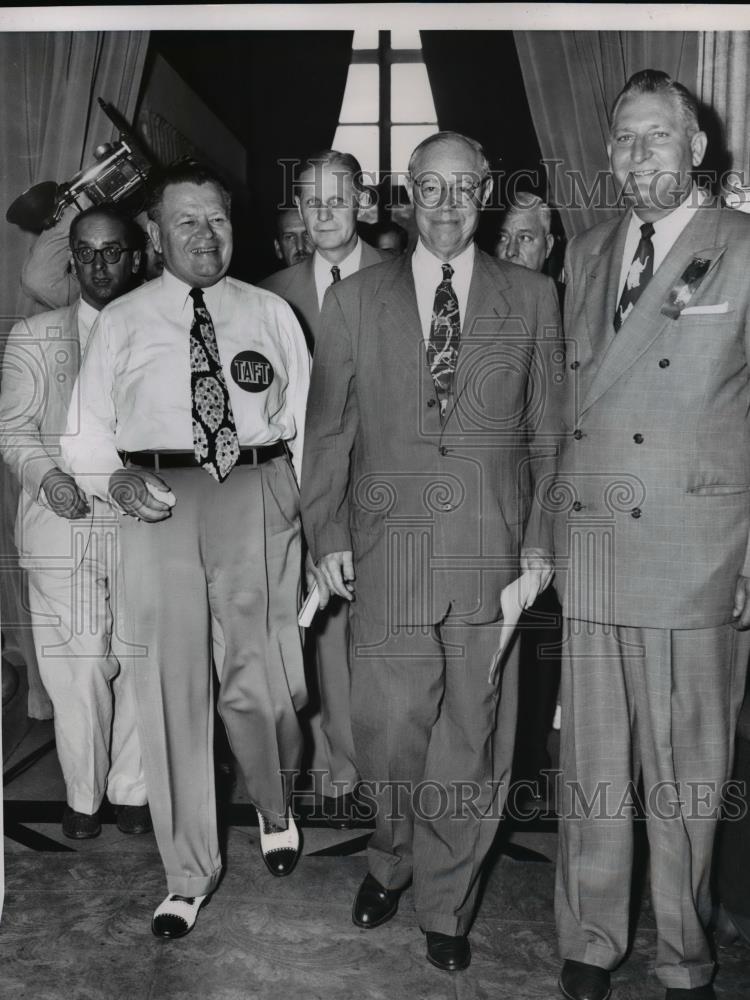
229, 559
665, 703
434, 743
331, 643
94, 707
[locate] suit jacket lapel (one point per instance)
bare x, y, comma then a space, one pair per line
646, 322
602, 279
402, 325
486, 304
308, 295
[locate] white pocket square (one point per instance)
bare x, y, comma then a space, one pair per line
720, 307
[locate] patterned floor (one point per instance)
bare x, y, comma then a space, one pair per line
76, 919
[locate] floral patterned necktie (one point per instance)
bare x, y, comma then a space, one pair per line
445, 330
641, 271
215, 440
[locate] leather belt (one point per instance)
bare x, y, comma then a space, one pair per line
186, 459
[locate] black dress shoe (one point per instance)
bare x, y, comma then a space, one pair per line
451, 954
699, 993
280, 848
176, 916
373, 904
80, 826
134, 819
579, 981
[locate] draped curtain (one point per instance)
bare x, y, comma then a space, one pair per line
475, 80
724, 85
571, 79
50, 122
306, 73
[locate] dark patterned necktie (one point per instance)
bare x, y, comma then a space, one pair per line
335, 274
640, 273
215, 441
445, 330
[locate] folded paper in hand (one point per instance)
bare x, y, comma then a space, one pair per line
515, 598
307, 613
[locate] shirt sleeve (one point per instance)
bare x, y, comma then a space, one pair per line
298, 371
46, 273
89, 445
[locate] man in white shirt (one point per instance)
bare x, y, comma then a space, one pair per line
329, 194
203, 379
651, 545
422, 455
64, 538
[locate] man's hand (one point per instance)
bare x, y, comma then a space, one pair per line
337, 570
741, 610
128, 489
315, 577
64, 496
539, 561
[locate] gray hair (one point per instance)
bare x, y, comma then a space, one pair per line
348, 163
525, 201
439, 137
656, 81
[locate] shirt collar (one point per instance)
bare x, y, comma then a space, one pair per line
672, 225
177, 293
425, 262
349, 265
87, 314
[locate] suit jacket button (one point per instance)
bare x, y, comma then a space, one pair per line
443, 450
638, 438
664, 363
578, 434
635, 512
575, 364
431, 402
578, 505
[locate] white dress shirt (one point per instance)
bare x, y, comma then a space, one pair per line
133, 391
666, 232
322, 270
87, 316
428, 273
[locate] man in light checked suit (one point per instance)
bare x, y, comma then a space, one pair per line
652, 517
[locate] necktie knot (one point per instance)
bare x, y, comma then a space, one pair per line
447, 272
335, 274
647, 231
196, 294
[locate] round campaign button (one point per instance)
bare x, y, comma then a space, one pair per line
251, 371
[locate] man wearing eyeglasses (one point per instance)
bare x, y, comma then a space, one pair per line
64, 537
430, 421
329, 193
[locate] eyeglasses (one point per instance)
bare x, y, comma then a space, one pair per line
433, 191
110, 255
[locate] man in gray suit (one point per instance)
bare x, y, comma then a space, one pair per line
329, 195
429, 422
651, 537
